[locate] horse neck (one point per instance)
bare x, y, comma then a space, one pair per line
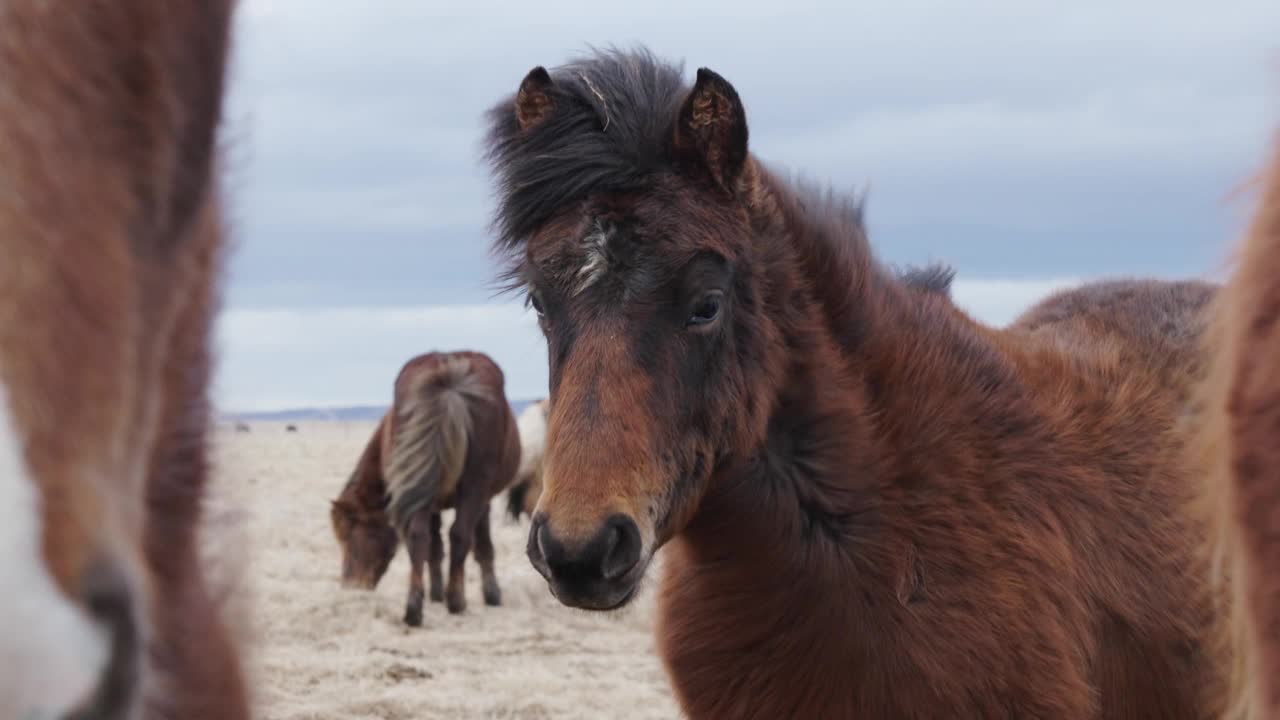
841, 432
788, 537
366, 485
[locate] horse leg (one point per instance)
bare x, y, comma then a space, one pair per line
484, 556
418, 538
515, 501
435, 558
460, 535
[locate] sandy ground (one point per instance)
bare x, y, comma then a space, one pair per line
320, 651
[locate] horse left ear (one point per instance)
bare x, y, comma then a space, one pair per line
710, 132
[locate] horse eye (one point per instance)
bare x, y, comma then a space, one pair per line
706, 310
536, 303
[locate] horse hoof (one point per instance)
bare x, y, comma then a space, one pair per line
456, 607
492, 597
437, 596
413, 617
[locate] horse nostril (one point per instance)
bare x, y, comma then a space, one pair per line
108, 599
542, 541
611, 552
622, 548
536, 548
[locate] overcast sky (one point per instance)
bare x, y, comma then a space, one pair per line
1030, 144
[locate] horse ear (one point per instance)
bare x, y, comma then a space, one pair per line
711, 130
533, 99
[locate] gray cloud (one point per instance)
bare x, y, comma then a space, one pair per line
272, 359
1016, 140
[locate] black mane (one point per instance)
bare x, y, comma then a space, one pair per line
935, 278
609, 130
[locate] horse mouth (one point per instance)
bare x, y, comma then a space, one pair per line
599, 595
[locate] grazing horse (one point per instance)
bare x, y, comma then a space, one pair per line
449, 440
1239, 445
524, 492
872, 505
110, 253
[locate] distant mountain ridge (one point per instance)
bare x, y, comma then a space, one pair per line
348, 413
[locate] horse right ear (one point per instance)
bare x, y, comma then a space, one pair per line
533, 99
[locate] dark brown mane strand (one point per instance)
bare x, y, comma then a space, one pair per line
610, 130
934, 278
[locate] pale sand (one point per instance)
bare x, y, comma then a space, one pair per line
319, 651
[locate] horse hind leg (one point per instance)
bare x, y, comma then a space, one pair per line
460, 535
484, 556
419, 544
435, 559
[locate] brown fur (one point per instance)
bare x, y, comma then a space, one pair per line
873, 506
110, 234
1240, 447
448, 441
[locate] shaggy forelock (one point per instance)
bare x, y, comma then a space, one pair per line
609, 130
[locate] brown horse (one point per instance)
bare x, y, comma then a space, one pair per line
523, 494
1240, 446
448, 441
110, 247
872, 505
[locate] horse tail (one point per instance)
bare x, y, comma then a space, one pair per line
1240, 451
432, 435
515, 498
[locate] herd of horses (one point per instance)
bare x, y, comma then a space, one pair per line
871, 505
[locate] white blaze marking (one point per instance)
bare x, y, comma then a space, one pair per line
51, 652
597, 261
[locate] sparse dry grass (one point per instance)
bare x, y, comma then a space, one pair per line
322, 652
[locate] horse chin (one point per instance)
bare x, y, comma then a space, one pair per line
601, 596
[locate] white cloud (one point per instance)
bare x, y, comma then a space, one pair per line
324, 357
1011, 138
997, 302
1118, 126
273, 359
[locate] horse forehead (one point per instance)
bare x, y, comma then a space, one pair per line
51, 653
593, 258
